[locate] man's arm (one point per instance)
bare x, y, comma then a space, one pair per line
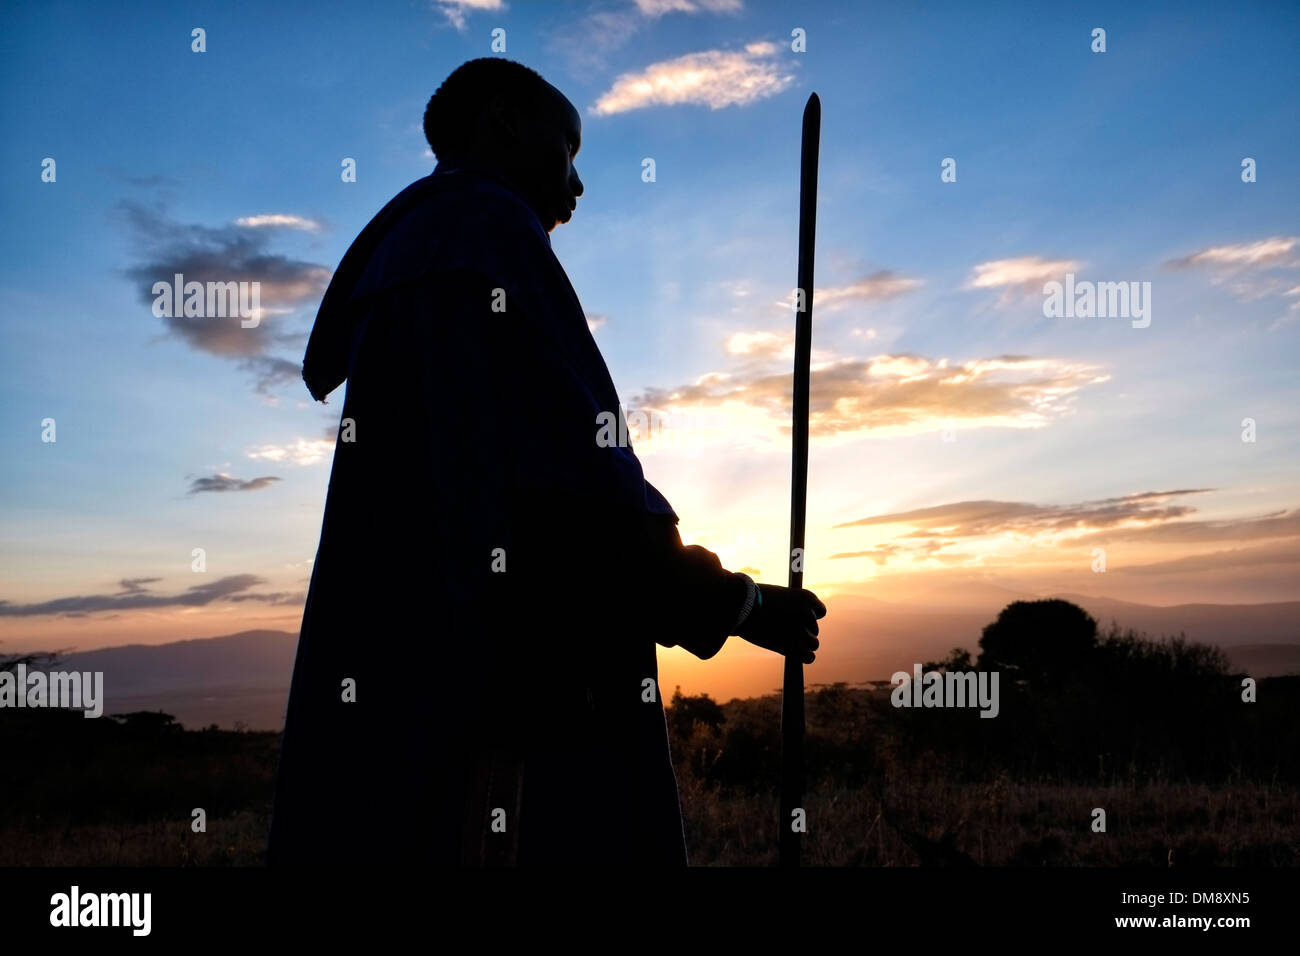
705, 600
619, 569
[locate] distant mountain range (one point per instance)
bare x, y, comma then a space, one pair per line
241, 678
245, 677
1228, 625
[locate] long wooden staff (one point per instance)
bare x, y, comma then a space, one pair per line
792, 718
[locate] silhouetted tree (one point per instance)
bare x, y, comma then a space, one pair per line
685, 712
34, 661
958, 659
147, 721
1039, 639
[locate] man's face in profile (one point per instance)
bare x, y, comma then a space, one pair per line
542, 165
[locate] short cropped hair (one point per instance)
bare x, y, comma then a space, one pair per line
449, 117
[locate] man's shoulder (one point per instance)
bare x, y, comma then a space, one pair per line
455, 225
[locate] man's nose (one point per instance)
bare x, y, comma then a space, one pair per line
576, 184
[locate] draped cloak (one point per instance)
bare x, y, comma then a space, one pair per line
476, 680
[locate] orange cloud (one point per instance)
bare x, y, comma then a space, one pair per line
894, 394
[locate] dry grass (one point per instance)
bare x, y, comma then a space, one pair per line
930, 821
238, 840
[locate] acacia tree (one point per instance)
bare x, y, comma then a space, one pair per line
1047, 639
36, 660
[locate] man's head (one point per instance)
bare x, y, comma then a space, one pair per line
500, 114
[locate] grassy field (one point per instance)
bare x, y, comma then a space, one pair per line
990, 824
1190, 770
1001, 823
897, 809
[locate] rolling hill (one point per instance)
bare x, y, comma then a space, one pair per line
244, 678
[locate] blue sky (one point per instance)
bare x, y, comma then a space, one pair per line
1116, 166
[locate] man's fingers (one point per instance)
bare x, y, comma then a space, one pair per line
814, 602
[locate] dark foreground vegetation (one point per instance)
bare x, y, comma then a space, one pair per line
1154, 733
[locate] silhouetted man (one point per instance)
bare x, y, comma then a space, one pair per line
476, 678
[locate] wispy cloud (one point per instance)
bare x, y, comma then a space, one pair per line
236, 252
279, 220
146, 180
134, 585
1281, 552
757, 348
875, 287
216, 253
1249, 270
886, 394
223, 482
269, 371
589, 43
233, 587
301, 451
970, 519
1024, 275
657, 8
457, 11
713, 78
986, 529
761, 345
1274, 251
1281, 524
1021, 535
